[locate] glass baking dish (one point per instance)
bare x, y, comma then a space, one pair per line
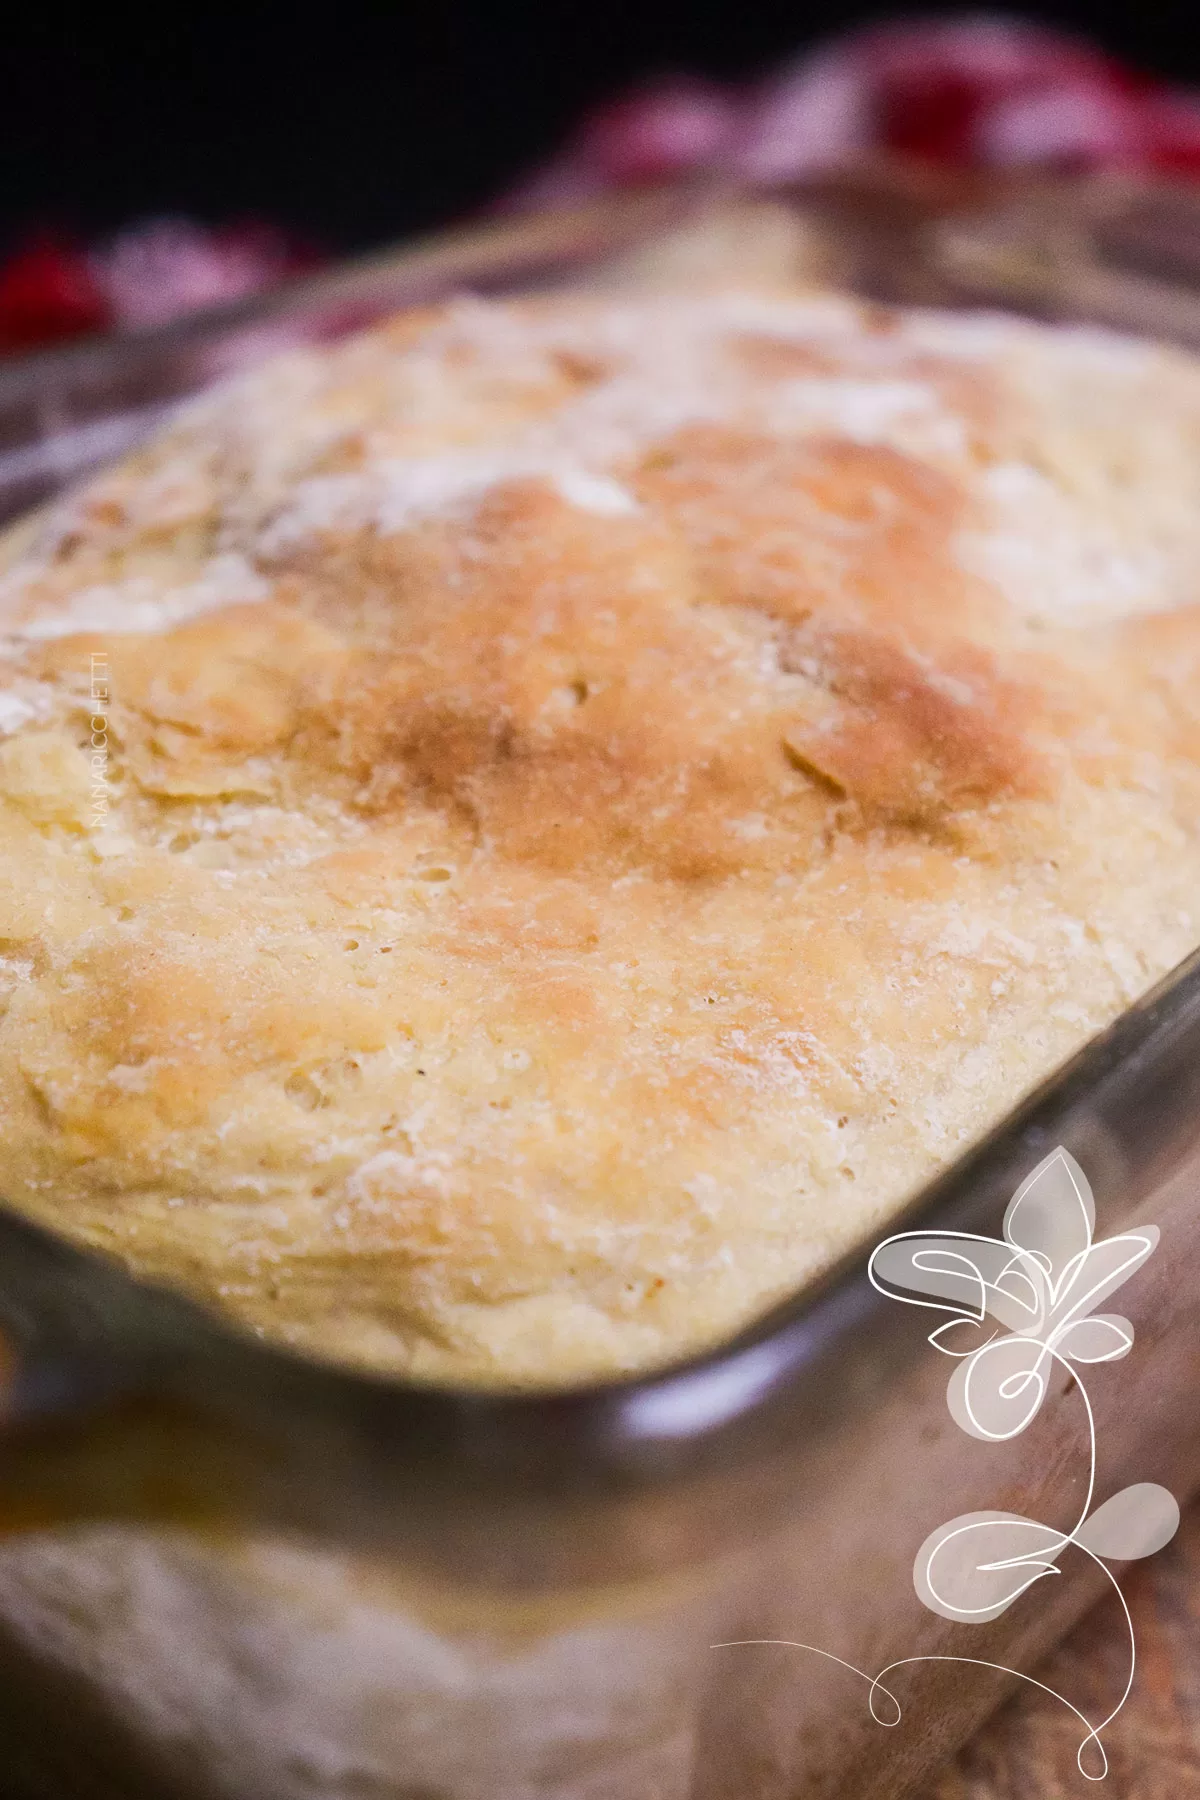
232, 1573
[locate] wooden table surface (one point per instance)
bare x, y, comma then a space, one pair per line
1028, 1750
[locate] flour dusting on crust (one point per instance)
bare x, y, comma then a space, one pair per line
603, 797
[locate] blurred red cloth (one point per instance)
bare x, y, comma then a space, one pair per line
54, 287
983, 90
47, 291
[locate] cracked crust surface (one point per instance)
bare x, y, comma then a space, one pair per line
603, 798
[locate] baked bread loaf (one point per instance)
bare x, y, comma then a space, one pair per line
526, 833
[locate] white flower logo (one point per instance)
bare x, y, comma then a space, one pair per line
1043, 1280
1021, 1308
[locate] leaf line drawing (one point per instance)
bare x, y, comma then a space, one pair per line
1020, 1307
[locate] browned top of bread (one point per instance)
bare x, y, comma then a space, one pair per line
603, 797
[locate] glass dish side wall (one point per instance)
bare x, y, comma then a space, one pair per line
553, 1632
418, 1593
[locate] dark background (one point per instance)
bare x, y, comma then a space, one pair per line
355, 124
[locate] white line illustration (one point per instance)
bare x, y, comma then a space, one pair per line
1041, 1282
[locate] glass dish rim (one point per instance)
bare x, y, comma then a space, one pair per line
742, 1372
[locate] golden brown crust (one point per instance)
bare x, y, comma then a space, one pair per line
603, 797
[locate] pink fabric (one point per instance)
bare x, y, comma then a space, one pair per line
983, 90
53, 287
156, 271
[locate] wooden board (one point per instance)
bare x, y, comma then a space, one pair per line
1028, 1750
